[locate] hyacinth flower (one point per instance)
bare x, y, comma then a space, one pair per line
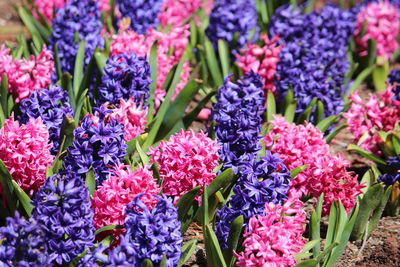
46, 8
78, 20
62, 207
266, 180
176, 13
142, 13
393, 176
380, 112
52, 106
125, 76
170, 48
185, 161
378, 21
313, 62
234, 21
261, 60
275, 237
23, 243
394, 79
299, 145
238, 120
25, 151
26, 75
110, 199
98, 144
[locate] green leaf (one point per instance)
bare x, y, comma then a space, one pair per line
221, 182
66, 84
143, 157
101, 61
310, 245
212, 63
26, 19
187, 251
380, 74
377, 213
320, 112
307, 263
327, 122
360, 79
296, 171
204, 208
371, 57
224, 55
78, 70
315, 225
307, 112
23, 198
163, 262
107, 228
107, 241
214, 255
235, 234
365, 154
271, 106
79, 106
332, 224
309, 6
185, 203
90, 182
335, 132
153, 85
4, 94
326, 252
57, 62
147, 263
8, 188
191, 116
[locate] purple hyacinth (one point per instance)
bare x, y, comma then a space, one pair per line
63, 209
52, 105
313, 62
264, 181
98, 144
234, 21
143, 13
22, 243
238, 120
125, 76
394, 79
78, 20
390, 178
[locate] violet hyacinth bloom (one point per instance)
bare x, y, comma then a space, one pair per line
52, 105
232, 19
313, 62
394, 175
98, 144
125, 76
63, 209
394, 79
22, 243
143, 13
238, 120
78, 20
265, 181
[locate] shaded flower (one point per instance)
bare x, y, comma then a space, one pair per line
62, 207
25, 76
78, 20
98, 144
143, 13
390, 178
394, 79
234, 21
238, 120
25, 151
186, 161
125, 76
52, 106
266, 180
275, 237
22, 243
378, 21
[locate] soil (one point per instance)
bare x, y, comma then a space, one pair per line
381, 249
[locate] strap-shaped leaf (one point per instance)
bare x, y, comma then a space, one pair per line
271, 106
153, 85
8, 188
90, 182
223, 52
211, 59
234, 237
187, 251
365, 154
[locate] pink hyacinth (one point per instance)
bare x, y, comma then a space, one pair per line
275, 238
110, 199
382, 24
25, 76
46, 7
261, 60
185, 161
177, 12
132, 117
299, 145
381, 112
25, 151
176, 41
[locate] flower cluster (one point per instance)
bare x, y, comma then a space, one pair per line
150, 234
98, 144
381, 112
299, 145
275, 237
25, 76
170, 48
22, 243
25, 151
262, 60
394, 79
313, 63
143, 14
46, 8
238, 120
110, 199
378, 21
133, 118
78, 20
393, 176
264, 181
176, 13
62, 207
185, 161
125, 75
234, 21
52, 106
